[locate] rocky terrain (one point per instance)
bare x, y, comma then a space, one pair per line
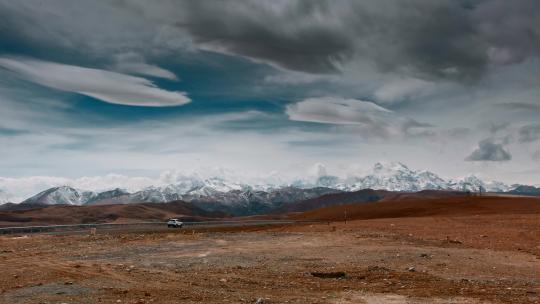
467, 256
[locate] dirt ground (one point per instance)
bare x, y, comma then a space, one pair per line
474, 259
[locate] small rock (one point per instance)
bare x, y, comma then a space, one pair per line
448, 240
223, 280
329, 275
68, 283
424, 255
378, 269
411, 269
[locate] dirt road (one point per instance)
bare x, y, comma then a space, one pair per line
475, 259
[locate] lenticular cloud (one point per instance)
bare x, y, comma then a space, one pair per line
111, 87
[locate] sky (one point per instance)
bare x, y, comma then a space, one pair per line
126, 92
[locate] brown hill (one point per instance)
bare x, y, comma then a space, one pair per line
62, 214
364, 204
421, 207
424, 194
364, 196
361, 196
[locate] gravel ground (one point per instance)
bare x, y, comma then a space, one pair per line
375, 261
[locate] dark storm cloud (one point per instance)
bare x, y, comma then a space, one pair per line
489, 150
433, 38
529, 133
511, 28
446, 39
520, 106
289, 35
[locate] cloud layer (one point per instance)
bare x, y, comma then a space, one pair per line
371, 118
104, 85
337, 82
133, 63
489, 150
529, 133
450, 39
457, 40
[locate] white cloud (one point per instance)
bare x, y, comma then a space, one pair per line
398, 90
107, 86
132, 63
340, 111
368, 118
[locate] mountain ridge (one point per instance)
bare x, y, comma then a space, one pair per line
220, 194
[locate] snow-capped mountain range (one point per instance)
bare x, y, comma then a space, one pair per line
214, 193
398, 177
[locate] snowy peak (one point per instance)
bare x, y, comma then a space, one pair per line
396, 176
63, 195
474, 184
391, 168
468, 183
110, 196
393, 176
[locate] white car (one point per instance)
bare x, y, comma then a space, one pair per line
174, 223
